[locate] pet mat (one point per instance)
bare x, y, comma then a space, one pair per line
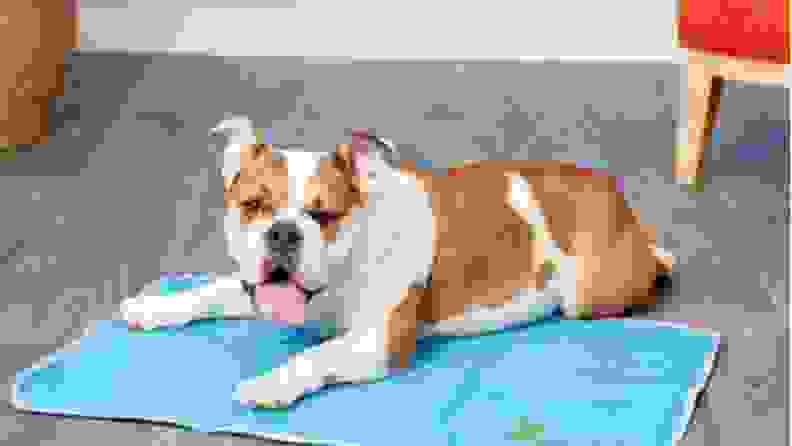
570, 382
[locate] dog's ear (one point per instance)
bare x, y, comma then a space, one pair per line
366, 154
353, 159
238, 129
244, 142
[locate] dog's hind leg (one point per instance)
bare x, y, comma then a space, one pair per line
527, 305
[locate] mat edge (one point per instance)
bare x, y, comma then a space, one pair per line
47, 360
285, 437
693, 393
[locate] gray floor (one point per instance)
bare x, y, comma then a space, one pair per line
128, 187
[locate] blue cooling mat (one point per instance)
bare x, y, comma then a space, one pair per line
622, 382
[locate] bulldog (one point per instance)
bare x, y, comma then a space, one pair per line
383, 250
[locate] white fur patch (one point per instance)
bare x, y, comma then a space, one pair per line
301, 165
563, 281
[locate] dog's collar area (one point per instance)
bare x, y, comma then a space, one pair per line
250, 289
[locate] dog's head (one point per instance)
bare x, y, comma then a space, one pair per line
285, 207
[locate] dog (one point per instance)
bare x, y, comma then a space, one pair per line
383, 250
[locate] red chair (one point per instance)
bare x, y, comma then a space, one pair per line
746, 40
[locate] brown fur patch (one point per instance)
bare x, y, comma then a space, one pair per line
482, 246
401, 327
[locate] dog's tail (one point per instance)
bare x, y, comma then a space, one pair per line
665, 259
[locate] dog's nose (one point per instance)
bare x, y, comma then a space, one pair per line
284, 236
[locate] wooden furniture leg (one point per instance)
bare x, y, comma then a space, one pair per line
34, 36
705, 75
702, 82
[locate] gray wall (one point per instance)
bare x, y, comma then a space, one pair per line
408, 28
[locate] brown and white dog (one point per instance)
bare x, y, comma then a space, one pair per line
385, 251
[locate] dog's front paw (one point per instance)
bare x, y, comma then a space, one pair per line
279, 388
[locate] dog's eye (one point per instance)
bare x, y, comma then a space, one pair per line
254, 206
321, 216
250, 204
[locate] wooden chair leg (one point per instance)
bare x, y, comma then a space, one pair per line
704, 88
705, 75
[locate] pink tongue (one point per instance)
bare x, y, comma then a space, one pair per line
286, 300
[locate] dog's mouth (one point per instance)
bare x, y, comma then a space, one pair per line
281, 277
